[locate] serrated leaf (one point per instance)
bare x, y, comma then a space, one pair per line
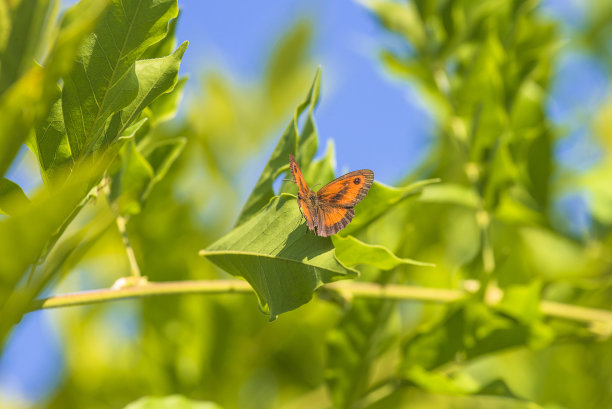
274, 251
377, 202
279, 160
103, 79
12, 197
171, 402
155, 77
352, 252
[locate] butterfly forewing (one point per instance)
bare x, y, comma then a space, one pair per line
347, 190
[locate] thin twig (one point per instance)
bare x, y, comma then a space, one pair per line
348, 289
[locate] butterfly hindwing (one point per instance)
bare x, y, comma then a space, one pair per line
308, 212
347, 190
306, 208
332, 219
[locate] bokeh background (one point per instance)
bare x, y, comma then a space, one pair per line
249, 64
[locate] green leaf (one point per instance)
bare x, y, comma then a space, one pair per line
352, 252
162, 154
437, 382
130, 183
450, 193
468, 330
378, 201
166, 45
29, 99
279, 160
522, 302
155, 77
166, 105
51, 142
283, 261
12, 197
104, 80
171, 402
553, 256
25, 26
401, 18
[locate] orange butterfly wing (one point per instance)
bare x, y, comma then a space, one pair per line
347, 190
304, 192
333, 208
337, 199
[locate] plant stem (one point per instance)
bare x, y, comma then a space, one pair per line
353, 289
121, 225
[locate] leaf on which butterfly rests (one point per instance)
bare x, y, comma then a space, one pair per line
283, 261
352, 252
379, 199
279, 160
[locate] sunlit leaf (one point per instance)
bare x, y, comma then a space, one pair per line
51, 142
379, 199
104, 80
155, 77
283, 261
352, 252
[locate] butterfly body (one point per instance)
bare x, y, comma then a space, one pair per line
331, 208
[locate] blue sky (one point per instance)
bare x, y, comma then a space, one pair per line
375, 121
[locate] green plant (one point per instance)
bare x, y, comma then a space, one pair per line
499, 302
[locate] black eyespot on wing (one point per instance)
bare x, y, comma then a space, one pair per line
357, 180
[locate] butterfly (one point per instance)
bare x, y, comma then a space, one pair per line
332, 207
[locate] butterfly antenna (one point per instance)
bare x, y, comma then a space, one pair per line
288, 180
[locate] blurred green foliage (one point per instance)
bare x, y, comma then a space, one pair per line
96, 117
